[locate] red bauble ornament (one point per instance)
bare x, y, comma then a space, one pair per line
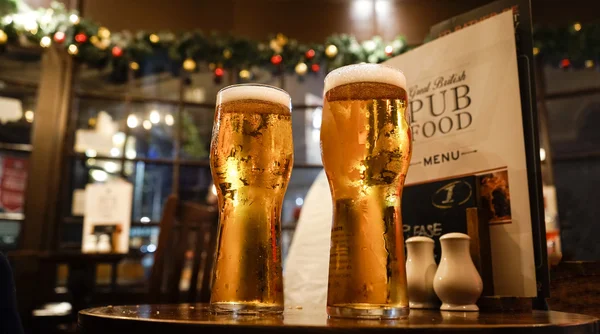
276, 59
315, 67
310, 54
565, 63
117, 51
219, 72
81, 38
59, 37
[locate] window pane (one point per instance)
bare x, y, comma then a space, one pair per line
153, 130
573, 123
195, 183
300, 182
196, 132
19, 76
151, 186
20, 67
9, 234
100, 127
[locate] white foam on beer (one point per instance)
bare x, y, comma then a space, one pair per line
364, 73
254, 92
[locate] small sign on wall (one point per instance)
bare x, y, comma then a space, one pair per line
107, 217
13, 181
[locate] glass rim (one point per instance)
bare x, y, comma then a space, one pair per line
253, 85
346, 67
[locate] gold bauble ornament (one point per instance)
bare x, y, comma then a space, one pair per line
589, 63
276, 47
94, 40
3, 37
154, 38
331, 51
245, 74
103, 32
212, 66
227, 54
134, 66
281, 39
301, 68
189, 65
103, 44
536, 51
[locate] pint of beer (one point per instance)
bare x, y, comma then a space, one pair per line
366, 149
251, 159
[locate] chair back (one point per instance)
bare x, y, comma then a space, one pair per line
186, 244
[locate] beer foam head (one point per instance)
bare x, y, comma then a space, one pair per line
364, 73
254, 92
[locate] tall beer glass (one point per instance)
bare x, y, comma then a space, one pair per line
251, 161
366, 149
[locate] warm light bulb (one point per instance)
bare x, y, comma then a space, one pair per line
118, 139
542, 154
99, 175
130, 154
110, 167
29, 115
73, 49
169, 120
154, 116
132, 121
147, 124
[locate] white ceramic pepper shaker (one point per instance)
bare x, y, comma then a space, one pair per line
104, 244
457, 282
420, 272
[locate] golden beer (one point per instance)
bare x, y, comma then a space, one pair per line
366, 149
251, 161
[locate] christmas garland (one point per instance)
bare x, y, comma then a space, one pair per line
143, 53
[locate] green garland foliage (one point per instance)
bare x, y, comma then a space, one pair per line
151, 52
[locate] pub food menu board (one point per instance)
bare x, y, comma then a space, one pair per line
469, 145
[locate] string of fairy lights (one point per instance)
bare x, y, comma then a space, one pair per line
575, 46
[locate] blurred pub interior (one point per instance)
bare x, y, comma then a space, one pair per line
79, 125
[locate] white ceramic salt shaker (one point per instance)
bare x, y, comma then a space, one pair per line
89, 243
457, 282
420, 272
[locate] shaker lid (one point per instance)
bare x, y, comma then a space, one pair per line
455, 235
419, 239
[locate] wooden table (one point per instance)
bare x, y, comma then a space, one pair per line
195, 318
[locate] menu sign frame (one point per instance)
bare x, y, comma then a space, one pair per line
521, 10
468, 118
